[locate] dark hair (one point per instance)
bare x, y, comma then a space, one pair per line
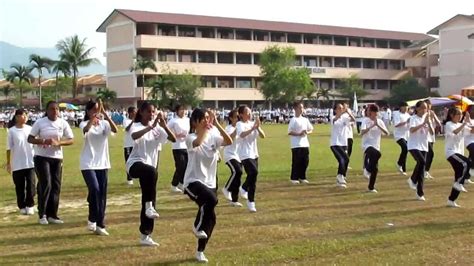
177, 107
131, 109
241, 109
418, 104
296, 104
47, 106
451, 111
196, 116
89, 105
403, 104
427, 101
12, 122
231, 113
143, 107
373, 108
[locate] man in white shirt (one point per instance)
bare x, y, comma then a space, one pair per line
180, 128
401, 131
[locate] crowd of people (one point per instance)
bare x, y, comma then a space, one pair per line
197, 137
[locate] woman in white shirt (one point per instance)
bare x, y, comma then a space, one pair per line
339, 123
350, 135
420, 127
454, 132
469, 142
200, 177
298, 130
247, 133
179, 125
401, 132
431, 139
49, 134
95, 162
232, 160
372, 129
20, 162
127, 138
148, 135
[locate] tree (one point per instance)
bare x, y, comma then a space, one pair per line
7, 91
38, 63
142, 64
20, 75
351, 86
408, 89
282, 82
57, 67
107, 96
75, 52
173, 87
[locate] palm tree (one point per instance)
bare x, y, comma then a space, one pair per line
63, 67
7, 91
20, 74
75, 52
107, 96
143, 64
37, 62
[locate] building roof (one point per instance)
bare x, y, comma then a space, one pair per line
197, 20
435, 31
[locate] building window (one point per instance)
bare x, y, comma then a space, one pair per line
382, 43
381, 64
208, 82
325, 62
242, 82
354, 42
187, 56
256, 59
368, 43
297, 61
225, 58
260, 36
395, 64
340, 40
278, 37
146, 29
325, 84
340, 62
206, 57
383, 84
167, 55
310, 61
258, 83
204, 32
147, 54
225, 34
167, 30
338, 84
368, 84
294, 37
325, 39
355, 63
243, 35
225, 82
395, 44
242, 58
310, 39
184, 31
369, 63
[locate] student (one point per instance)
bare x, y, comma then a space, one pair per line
401, 132
49, 134
148, 133
179, 125
431, 139
350, 135
247, 133
454, 132
469, 142
339, 124
200, 176
20, 162
95, 162
232, 160
372, 129
420, 127
127, 138
298, 129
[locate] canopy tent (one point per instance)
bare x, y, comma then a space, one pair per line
68, 106
460, 101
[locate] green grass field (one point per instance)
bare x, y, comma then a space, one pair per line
305, 224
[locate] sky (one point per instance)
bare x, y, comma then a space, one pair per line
42, 23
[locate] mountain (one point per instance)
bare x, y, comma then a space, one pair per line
13, 54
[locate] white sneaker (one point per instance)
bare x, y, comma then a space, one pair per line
428, 176
151, 213
145, 240
52, 220
459, 187
453, 204
180, 186
471, 172
349, 168
244, 194
101, 231
30, 211
201, 257
366, 174
304, 181
411, 184
130, 182
227, 194
468, 181
420, 198
400, 170
23, 211
199, 234
235, 204
251, 206
43, 220
341, 185
340, 179
176, 189
91, 226
294, 182
372, 191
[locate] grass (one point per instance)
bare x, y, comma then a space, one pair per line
312, 224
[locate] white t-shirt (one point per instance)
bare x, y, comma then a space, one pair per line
47, 129
432, 137
338, 130
418, 140
230, 151
145, 149
202, 160
372, 138
454, 143
401, 132
21, 151
298, 124
247, 147
469, 138
127, 137
95, 152
179, 126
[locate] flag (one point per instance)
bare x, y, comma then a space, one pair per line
355, 107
